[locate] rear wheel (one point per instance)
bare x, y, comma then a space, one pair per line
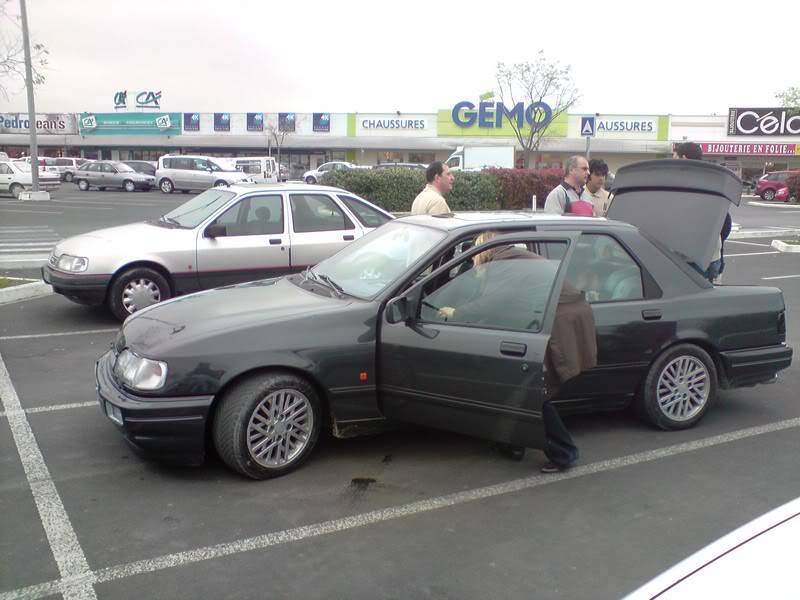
221, 183
129, 185
310, 180
268, 424
166, 186
768, 195
83, 185
135, 289
15, 189
681, 384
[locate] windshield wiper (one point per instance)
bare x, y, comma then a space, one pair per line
335, 286
170, 220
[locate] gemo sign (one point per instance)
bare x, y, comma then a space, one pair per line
491, 114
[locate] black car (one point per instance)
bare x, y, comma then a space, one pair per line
142, 166
380, 331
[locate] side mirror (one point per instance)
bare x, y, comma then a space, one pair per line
215, 230
398, 310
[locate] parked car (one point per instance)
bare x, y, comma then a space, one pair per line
757, 560
314, 175
261, 169
67, 166
261, 368
104, 174
219, 237
192, 172
146, 167
768, 186
15, 177
415, 166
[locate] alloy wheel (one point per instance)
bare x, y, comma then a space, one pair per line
280, 428
683, 388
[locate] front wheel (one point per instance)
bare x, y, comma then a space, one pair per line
310, 180
136, 289
267, 425
166, 186
83, 185
15, 190
129, 186
768, 195
679, 387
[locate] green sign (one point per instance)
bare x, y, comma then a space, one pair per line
486, 96
446, 127
123, 123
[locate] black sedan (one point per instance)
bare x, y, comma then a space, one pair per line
408, 324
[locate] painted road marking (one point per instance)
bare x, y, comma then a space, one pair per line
44, 335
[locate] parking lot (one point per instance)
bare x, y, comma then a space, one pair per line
410, 514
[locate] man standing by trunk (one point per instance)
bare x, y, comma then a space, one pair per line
595, 191
566, 196
430, 201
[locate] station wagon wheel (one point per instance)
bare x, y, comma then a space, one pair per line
680, 386
83, 185
129, 186
15, 189
166, 186
135, 289
267, 425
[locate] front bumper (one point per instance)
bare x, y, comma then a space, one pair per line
169, 429
755, 365
78, 287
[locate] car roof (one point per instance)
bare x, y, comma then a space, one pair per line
459, 220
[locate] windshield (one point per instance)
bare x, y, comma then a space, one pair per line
199, 208
367, 266
24, 167
123, 168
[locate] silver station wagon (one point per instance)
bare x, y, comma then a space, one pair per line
222, 236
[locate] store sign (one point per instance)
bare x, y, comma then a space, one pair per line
626, 125
321, 122
255, 121
147, 99
491, 114
46, 124
222, 121
750, 149
764, 121
394, 124
133, 123
191, 121
286, 122
121, 100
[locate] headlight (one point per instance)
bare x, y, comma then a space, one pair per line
72, 264
140, 373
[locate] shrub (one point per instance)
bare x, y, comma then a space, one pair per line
516, 186
395, 189
793, 183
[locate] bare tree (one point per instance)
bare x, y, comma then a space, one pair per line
276, 137
790, 97
531, 84
12, 53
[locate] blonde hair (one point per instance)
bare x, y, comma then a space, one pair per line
486, 255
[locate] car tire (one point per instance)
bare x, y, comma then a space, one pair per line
135, 289
221, 183
15, 190
679, 387
102, 189
68, 177
310, 180
184, 191
768, 195
249, 435
83, 185
129, 186
166, 186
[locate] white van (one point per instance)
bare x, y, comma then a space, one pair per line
261, 169
192, 172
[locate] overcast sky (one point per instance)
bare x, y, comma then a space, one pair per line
679, 57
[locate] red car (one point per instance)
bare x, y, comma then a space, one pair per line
769, 185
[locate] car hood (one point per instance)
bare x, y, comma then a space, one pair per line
223, 311
681, 203
120, 236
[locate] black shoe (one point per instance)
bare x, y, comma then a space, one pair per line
551, 467
512, 452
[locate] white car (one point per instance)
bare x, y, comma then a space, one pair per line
757, 560
16, 176
314, 175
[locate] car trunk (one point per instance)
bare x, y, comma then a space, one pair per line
681, 203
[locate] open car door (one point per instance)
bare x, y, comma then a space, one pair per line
464, 349
681, 203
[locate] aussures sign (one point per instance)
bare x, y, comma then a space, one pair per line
764, 121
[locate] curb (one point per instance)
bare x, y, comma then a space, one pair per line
763, 233
784, 247
775, 204
26, 291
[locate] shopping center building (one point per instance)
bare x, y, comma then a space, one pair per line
748, 141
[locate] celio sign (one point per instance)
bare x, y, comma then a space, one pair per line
763, 121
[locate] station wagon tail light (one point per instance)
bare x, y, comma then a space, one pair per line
140, 373
782, 322
72, 264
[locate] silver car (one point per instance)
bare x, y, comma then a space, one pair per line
104, 174
187, 173
67, 166
222, 236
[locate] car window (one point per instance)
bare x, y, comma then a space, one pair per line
317, 212
63, 162
210, 164
183, 164
783, 176
200, 164
198, 209
506, 287
123, 168
5, 169
249, 166
368, 216
603, 269
256, 215
107, 168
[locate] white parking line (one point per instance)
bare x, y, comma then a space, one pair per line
51, 408
44, 335
61, 536
278, 538
751, 254
780, 277
747, 243
37, 212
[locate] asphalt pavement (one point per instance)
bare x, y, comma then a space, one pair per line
410, 514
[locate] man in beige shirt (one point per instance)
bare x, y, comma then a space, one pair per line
595, 191
430, 201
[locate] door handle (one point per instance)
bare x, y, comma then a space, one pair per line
513, 349
651, 314
274, 241
348, 238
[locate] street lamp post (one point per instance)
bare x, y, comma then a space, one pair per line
31, 108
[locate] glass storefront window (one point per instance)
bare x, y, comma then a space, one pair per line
425, 158
390, 157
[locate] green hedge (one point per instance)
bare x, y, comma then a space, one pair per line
492, 189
